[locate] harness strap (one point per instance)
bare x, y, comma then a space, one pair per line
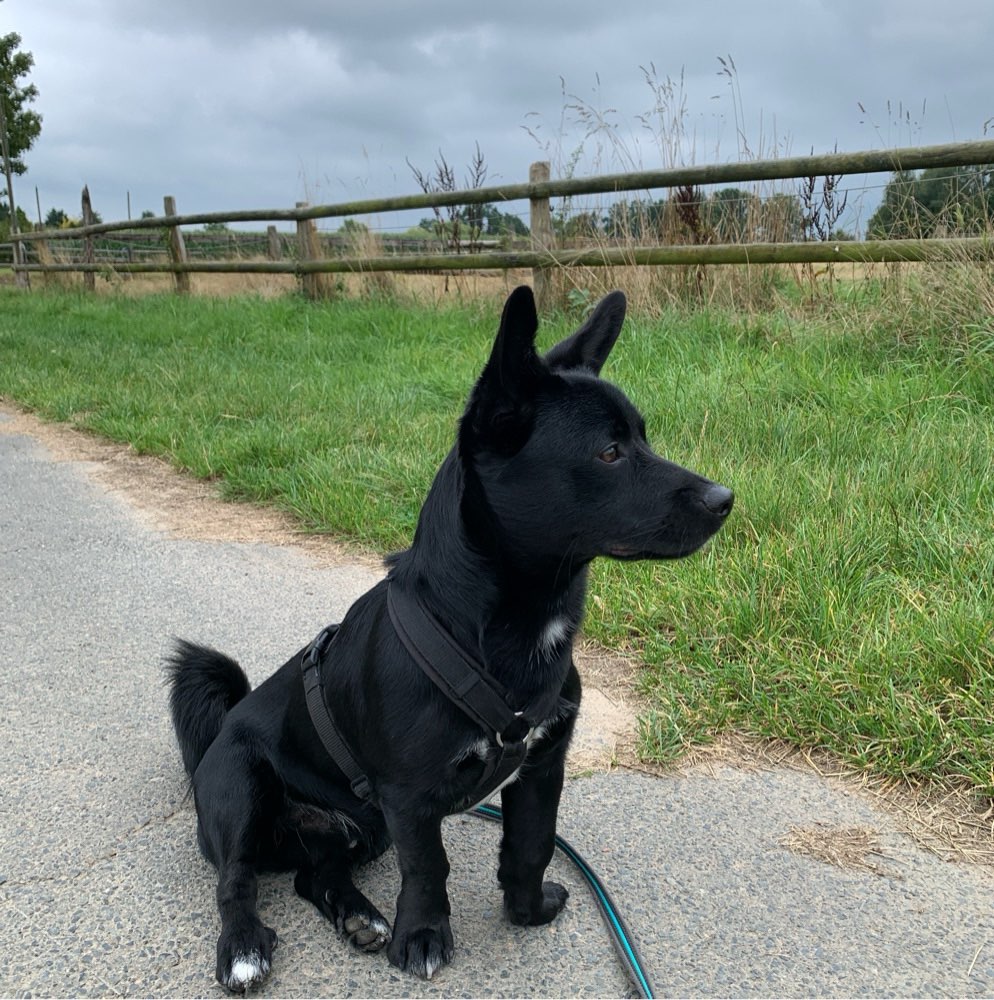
464, 681
460, 678
467, 684
317, 708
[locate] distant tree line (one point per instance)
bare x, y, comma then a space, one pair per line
484, 221
728, 215
685, 215
939, 201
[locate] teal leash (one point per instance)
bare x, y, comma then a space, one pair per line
621, 937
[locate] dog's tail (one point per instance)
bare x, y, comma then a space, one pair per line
204, 686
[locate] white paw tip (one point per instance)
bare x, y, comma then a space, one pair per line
246, 970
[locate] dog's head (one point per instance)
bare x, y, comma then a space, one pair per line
558, 465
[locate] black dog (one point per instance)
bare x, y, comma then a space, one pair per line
448, 679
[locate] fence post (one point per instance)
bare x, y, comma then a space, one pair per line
313, 285
273, 243
304, 251
177, 248
44, 256
89, 278
542, 236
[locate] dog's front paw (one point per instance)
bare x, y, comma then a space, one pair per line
536, 911
244, 958
423, 950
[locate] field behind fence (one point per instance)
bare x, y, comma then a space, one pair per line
166, 245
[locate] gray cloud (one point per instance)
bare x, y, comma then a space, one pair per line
242, 104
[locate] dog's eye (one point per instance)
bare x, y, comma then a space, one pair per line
610, 454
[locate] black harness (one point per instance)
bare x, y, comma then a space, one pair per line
457, 674
317, 708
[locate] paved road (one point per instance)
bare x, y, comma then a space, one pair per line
102, 891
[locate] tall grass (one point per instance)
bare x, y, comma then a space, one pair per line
592, 137
847, 604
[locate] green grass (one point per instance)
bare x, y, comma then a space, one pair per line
846, 605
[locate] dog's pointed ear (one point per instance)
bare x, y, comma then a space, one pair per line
591, 344
501, 407
513, 356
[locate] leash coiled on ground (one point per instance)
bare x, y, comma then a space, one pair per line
621, 938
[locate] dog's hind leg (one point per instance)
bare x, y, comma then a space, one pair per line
235, 810
330, 888
245, 946
530, 806
327, 844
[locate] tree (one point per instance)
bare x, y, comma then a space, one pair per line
729, 214
55, 218
579, 225
780, 219
23, 222
637, 219
23, 125
498, 223
895, 217
491, 220
936, 202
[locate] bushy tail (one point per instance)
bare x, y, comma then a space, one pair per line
204, 686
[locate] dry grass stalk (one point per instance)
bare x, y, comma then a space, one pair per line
363, 243
848, 847
945, 818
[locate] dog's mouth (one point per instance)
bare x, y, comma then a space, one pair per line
630, 553
625, 553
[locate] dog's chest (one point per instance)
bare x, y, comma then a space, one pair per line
482, 749
535, 654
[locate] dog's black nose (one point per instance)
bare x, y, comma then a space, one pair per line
718, 500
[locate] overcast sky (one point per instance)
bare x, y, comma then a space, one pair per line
237, 104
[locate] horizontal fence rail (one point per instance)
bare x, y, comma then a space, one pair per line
821, 252
543, 254
957, 154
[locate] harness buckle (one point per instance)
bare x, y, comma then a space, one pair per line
515, 726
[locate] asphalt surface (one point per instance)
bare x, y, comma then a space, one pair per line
103, 893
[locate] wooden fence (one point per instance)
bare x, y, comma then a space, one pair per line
541, 254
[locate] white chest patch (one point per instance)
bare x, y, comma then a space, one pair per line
554, 633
